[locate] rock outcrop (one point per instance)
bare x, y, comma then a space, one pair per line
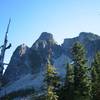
90, 41
19, 64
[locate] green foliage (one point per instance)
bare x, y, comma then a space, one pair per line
51, 95
82, 87
69, 82
69, 75
51, 81
66, 91
96, 77
51, 75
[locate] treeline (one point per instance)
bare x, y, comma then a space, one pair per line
82, 82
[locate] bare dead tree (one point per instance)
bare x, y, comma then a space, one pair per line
3, 48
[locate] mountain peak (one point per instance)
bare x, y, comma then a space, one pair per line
44, 39
46, 36
89, 36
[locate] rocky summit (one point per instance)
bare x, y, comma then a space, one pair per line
27, 65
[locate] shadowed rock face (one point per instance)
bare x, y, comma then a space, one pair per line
32, 60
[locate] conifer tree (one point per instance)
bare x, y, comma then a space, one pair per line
69, 82
82, 87
51, 81
96, 77
66, 91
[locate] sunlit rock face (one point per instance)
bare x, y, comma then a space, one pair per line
46, 36
19, 64
43, 41
90, 41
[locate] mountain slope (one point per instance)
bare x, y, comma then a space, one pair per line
30, 62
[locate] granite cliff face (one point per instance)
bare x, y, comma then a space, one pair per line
28, 64
27, 60
19, 64
43, 43
90, 41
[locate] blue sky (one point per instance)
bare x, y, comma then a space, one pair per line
63, 18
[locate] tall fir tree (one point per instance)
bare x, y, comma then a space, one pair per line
51, 80
66, 90
96, 77
82, 83
69, 82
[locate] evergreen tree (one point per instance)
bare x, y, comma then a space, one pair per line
69, 84
66, 91
51, 81
96, 77
82, 87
